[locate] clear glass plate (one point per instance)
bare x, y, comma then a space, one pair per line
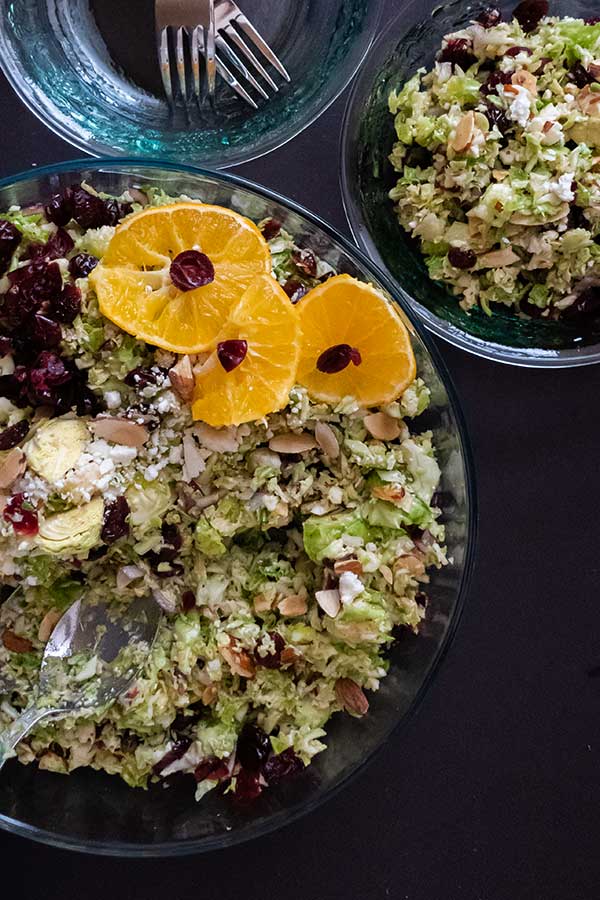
97, 813
89, 71
411, 40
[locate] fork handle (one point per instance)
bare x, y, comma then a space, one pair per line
19, 729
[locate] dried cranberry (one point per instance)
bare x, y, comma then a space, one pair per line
577, 218
593, 20
115, 524
48, 374
37, 281
232, 354
544, 62
171, 535
422, 599
253, 747
45, 332
56, 247
305, 261
179, 749
163, 564
295, 289
489, 17
284, 765
191, 269
271, 660
461, 259
270, 229
514, 51
497, 117
530, 12
188, 601
88, 210
586, 307
458, 51
494, 79
212, 768
335, 359
10, 238
142, 376
247, 786
24, 520
67, 305
580, 75
58, 210
13, 435
115, 211
82, 264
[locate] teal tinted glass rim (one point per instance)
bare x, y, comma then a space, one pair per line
285, 817
37, 103
535, 358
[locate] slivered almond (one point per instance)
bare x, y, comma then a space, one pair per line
47, 625
14, 643
329, 601
182, 378
497, 258
292, 443
120, 431
294, 605
239, 661
465, 130
526, 80
411, 564
351, 697
262, 603
390, 492
12, 466
381, 426
326, 439
347, 565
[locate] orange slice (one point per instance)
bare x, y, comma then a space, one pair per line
260, 382
355, 335
134, 286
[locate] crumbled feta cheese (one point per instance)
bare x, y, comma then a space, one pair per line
562, 189
350, 587
335, 495
112, 399
520, 108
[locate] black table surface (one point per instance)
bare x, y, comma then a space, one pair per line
491, 791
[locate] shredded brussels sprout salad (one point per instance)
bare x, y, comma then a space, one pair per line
498, 156
284, 574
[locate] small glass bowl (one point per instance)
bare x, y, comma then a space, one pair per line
89, 71
97, 813
410, 41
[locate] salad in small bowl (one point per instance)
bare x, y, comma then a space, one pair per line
207, 399
471, 171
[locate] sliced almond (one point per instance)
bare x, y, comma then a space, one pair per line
390, 492
12, 467
193, 460
381, 426
209, 695
292, 443
526, 80
594, 70
239, 661
351, 697
120, 431
499, 174
14, 643
329, 601
262, 603
465, 131
326, 439
497, 258
411, 564
294, 605
387, 573
181, 377
347, 565
47, 625
588, 101
219, 440
288, 657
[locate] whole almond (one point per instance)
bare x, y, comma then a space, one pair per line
326, 439
181, 377
329, 601
381, 426
292, 443
294, 605
351, 697
464, 133
15, 643
12, 467
120, 431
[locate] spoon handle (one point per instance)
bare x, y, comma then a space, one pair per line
19, 729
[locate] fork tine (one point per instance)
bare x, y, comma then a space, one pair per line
165, 65
233, 35
262, 45
197, 44
237, 63
233, 82
210, 53
180, 58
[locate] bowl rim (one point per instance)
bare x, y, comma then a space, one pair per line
536, 358
284, 817
64, 127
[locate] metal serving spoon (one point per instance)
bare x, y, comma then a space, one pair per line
116, 646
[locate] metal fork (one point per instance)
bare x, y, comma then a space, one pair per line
185, 31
